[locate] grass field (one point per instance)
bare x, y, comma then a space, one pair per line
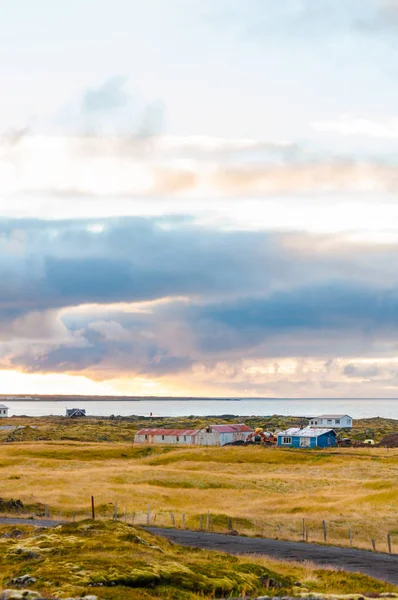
119, 562
266, 492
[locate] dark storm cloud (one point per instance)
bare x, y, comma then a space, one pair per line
247, 293
338, 307
66, 263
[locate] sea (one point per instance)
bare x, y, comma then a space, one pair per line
178, 407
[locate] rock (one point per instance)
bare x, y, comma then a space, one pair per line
23, 580
32, 595
20, 595
11, 505
29, 554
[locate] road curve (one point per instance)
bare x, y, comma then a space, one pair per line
377, 565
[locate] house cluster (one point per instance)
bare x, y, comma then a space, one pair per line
315, 434
3, 411
320, 432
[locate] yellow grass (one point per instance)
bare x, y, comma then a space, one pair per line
259, 488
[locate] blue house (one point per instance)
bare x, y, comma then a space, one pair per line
309, 437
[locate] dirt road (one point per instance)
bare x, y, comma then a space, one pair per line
378, 565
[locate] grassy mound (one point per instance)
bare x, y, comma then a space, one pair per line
115, 560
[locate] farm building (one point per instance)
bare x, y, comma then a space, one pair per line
335, 421
213, 435
309, 437
3, 410
74, 413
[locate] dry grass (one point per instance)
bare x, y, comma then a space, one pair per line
260, 489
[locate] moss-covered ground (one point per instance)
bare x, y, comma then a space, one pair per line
116, 561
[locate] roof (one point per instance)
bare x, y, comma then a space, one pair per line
238, 428
306, 432
330, 417
3, 406
72, 411
172, 432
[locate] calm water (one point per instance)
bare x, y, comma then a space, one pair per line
370, 407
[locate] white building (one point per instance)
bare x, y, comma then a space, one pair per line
332, 421
213, 435
3, 410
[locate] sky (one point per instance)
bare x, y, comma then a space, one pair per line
199, 197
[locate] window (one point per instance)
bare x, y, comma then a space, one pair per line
315, 422
286, 440
178, 439
146, 437
337, 421
163, 437
305, 442
330, 421
185, 438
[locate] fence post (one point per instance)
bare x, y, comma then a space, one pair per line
207, 520
92, 508
47, 512
183, 521
211, 523
148, 516
230, 528
350, 537
306, 534
115, 511
172, 519
325, 535
389, 543
304, 530
74, 517
374, 544
201, 523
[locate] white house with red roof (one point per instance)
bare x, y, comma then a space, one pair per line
212, 435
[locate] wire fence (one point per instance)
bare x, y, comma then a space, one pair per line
303, 530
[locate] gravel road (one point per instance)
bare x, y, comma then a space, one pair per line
377, 565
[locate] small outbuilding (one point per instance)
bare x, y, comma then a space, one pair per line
212, 435
333, 421
74, 413
309, 437
3, 411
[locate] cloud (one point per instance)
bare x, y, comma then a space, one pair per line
108, 96
346, 126
135, 167
361, 371
164, 298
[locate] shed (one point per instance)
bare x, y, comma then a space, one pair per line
335, 421
167, 436
309, 437
212, 435
3, 411
74, 413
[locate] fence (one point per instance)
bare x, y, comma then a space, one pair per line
305, 530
